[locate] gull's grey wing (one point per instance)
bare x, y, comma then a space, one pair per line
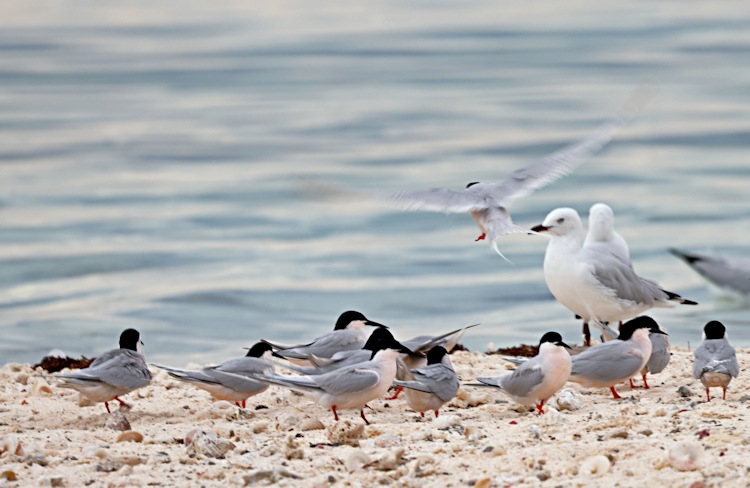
441, 200
614, 273
347, 380
731, 274
437, 379
609, 361
715, 355
660, 356
564, 161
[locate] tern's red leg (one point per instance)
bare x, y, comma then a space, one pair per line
335, 415
422, 414
480, 238
123, 403
436, 414
237, 404
243, 403
398, 391
708, 395
724, 397
614, 392
645, 383
540, 407
631, 384
619, 326
586, 334
362, 414
106, 405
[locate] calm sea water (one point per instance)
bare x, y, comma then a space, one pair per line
149, 154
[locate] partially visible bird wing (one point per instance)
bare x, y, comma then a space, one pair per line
564, 161
441, 200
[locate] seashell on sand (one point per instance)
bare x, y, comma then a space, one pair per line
206, 443
685, 456
594, 466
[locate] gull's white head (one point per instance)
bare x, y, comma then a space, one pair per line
601, 222
561, 222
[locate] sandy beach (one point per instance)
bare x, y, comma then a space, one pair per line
480, 438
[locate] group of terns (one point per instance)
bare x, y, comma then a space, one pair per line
588, 272
346, 374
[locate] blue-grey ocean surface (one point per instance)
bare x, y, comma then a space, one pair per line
150, 154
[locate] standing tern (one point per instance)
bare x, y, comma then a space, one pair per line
535, 380
113, 374
488, 203
348, 334
235, 387
596, 286
350, 387
715, 362
431, 386
660, 355
381, 338
608, 363
422, 344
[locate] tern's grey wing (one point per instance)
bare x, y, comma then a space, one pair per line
244, 366
715, 355
340, 360
327, 345
104, 357
283, 347
438, 379
609, 361
608, 333
126, 370
660, 356
524, 379
564, 161
347, 380
448, 340
236, 381
186, 374
441, 200
733, 275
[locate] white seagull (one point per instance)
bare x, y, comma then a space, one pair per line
715, 361
488, 202
235, 387
431, 386
348, 334
596, 286
608, 363
535, 380
113, 374
727, 274
350, 387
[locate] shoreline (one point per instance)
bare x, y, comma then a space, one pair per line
480, 438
